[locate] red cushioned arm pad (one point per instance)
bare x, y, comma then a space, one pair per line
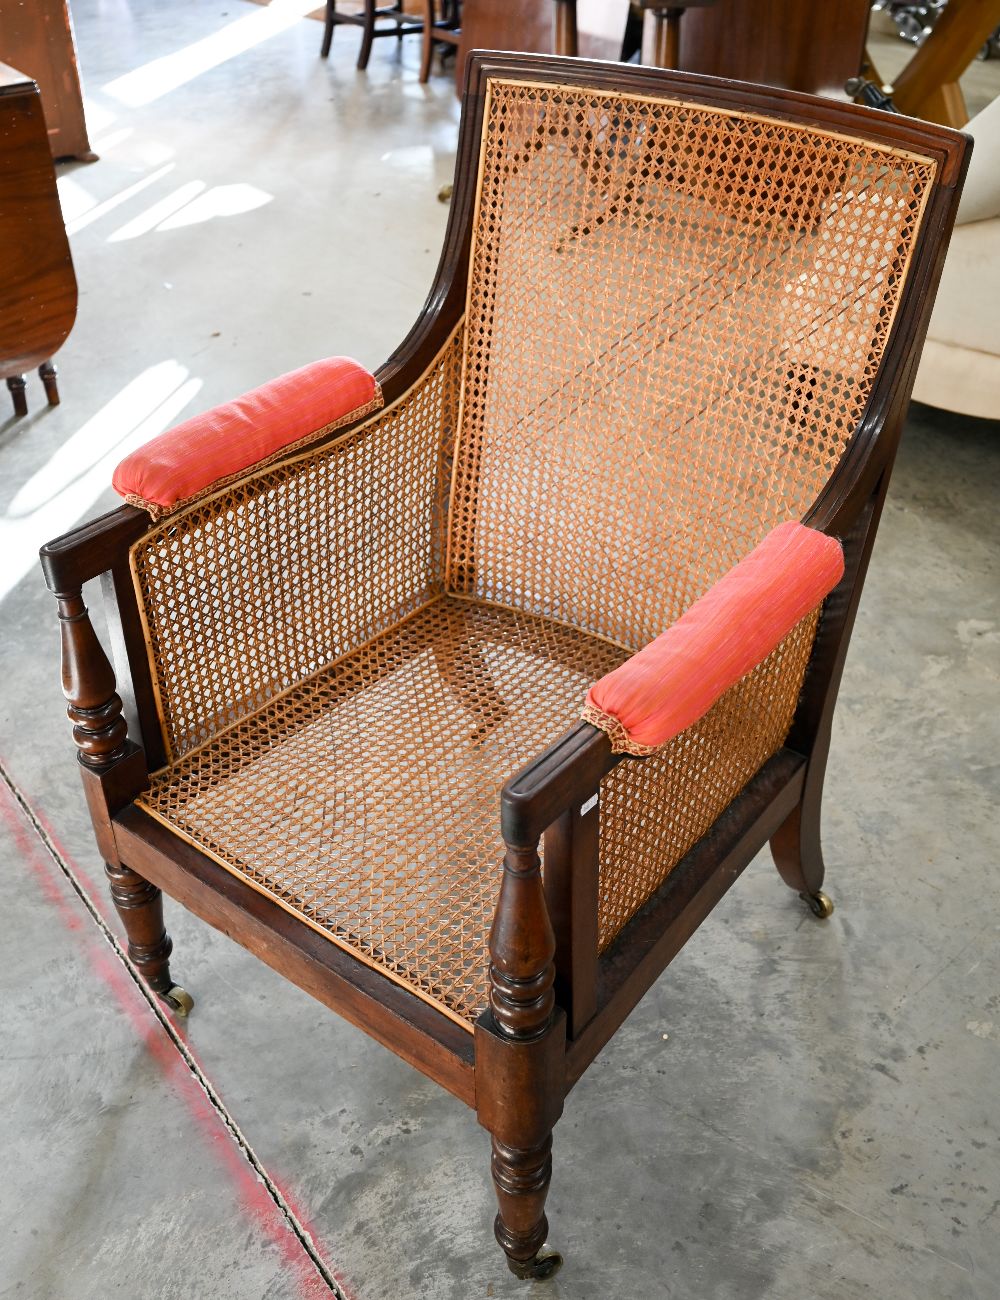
211, 450
672, 682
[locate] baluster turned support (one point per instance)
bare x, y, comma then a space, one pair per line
522, 950
520, 1058
88, 683
113, 772
17, 385
50, 378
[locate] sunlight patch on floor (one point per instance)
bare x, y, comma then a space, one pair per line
75, 475
159, 77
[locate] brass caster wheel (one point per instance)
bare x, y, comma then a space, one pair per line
546, 1264
178, 1000
444, 193
819, 904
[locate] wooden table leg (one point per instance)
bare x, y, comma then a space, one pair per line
47, 373
17, 386
928, 85
566, 39
667, 38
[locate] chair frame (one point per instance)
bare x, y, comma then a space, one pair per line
554, 1003
398, 23
446, 30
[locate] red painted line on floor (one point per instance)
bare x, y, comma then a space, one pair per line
296, 1208
97, 893
254, 1199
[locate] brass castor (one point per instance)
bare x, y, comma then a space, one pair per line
178, 1000
545, 1264
444, 193
820, 904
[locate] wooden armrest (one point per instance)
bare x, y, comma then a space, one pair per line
565, 774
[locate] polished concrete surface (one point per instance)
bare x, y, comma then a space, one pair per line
795, 1110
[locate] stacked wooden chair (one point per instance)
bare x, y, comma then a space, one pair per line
438, 22
462, 693
375, 21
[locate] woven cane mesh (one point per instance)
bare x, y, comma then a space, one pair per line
253, 589
653, 812
675, 317
367, 798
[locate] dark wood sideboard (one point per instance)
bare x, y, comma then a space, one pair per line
37, 281
37, 37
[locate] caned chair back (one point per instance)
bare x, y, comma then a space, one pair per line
675, 316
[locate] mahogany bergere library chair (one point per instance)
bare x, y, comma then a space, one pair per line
462, 693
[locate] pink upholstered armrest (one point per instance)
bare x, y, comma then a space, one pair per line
210, 450
675, 680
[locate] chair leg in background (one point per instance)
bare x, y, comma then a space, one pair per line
48, 375
331, 9
368, 35
140, 906
17, 385
427, 42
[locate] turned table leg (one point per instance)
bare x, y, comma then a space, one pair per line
17, 386
47, 373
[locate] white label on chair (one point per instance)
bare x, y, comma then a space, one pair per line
591, 803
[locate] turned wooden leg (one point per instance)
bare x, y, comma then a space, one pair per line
17, 386
666, 40
565, 35
113, 772
521, 1178
47, 374
521, 1061
140, 906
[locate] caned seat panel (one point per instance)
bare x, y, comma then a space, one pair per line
366, 798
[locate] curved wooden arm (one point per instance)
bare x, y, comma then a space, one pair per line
565, 774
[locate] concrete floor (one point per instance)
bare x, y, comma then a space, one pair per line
795, 1110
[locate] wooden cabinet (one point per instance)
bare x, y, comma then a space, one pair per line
36, 36
796, 44
37, 282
